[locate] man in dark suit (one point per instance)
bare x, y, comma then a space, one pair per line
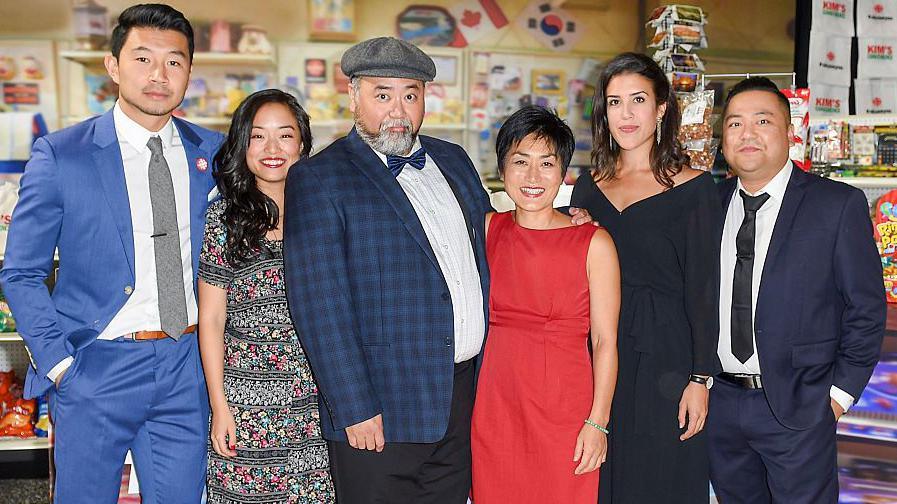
802, 311
122, 197
387, 283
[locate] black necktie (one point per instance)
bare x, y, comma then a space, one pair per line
742, 316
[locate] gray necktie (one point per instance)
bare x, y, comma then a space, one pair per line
167, 244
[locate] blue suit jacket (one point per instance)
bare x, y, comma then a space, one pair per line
366, 293
820, 313
73, 197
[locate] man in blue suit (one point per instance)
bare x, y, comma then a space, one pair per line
802, 312
122, 197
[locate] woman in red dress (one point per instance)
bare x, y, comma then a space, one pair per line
545, 387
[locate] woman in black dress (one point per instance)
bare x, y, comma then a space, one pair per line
662, 216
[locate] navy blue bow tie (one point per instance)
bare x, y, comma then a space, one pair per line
396, 163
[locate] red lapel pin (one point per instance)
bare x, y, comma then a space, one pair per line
201, 164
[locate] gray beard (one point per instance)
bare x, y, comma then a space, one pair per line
387, 142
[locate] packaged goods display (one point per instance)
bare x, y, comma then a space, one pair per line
678, 30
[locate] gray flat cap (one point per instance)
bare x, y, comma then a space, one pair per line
388, 57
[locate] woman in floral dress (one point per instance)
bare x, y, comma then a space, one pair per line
265, 442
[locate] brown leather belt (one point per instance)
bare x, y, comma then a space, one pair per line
153, 335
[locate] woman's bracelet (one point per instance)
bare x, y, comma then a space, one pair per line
595, 425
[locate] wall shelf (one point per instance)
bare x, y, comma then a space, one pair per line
199, 58
10, 337
13, 443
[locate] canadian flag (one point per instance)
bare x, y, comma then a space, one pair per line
475, 19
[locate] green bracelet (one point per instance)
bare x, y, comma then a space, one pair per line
595, 425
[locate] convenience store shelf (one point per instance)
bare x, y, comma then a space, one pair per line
199, 58
868, 182
867, 429
10, 337
12, 443
857, 119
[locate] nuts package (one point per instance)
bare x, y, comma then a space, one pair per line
696, 128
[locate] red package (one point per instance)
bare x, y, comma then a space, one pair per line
885, 221
18, 419
800, 119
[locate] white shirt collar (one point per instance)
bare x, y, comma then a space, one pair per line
136, 135
775, 187
414, 148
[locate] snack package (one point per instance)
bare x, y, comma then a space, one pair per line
696, 129
42, 424
836, 141
800, 119
677, 35
677, 13
885, 221
17, 421
670, 61
684, 82
862, 145
10, 390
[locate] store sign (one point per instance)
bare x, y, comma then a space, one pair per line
876, 58
876, 18
826, 100
829, 59
875, 96
833, 16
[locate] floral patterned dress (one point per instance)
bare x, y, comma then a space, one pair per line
268, 383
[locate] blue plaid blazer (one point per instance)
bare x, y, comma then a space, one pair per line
366, 293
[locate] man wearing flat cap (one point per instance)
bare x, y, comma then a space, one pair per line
387, 282
388, 286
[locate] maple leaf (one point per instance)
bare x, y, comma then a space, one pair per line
470, 18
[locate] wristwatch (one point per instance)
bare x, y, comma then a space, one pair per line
707, 381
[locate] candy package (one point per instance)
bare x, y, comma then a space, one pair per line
799, 100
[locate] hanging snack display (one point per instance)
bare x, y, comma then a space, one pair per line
696, 129
678, 31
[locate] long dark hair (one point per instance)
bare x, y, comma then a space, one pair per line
248, 212
667, 159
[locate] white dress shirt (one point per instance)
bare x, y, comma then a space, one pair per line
766, 221
141, 311
442, 220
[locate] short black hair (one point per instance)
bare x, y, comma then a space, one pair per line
158, 16
541, 122
758, 84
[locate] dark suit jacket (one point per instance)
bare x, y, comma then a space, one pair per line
74, 197
820, 313
366, 293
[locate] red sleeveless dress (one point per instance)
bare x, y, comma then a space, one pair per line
535, 385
